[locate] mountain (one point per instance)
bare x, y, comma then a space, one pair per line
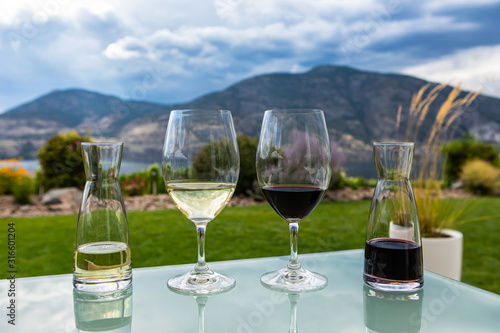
359, 107
26, 128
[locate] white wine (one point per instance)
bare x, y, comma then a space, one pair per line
102, 262
200, 201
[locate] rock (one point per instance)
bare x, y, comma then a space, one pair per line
458, 185
7, 212
259, 198
70, 196
24, 208
348, 194
63, 207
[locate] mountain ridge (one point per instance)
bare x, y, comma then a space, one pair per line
359, 107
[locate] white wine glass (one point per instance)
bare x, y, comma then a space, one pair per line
200, 168
294, 170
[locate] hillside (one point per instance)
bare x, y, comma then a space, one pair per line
359, 107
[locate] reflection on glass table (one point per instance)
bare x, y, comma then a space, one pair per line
392, 312
293, 297
201, 300
46, 304
103, 312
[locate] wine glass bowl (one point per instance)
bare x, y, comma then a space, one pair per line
294, 169
200, 169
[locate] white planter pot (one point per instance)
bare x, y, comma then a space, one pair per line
443, 255
402, 232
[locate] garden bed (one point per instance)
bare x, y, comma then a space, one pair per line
9, 208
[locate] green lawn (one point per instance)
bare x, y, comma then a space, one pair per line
45, 244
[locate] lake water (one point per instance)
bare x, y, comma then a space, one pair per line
353, 169
361, 169
126, 167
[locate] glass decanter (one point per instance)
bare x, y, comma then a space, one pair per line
102, 247
393, 251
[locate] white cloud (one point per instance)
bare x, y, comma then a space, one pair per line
447, 4
476, 68
203, 46
196, 42
142, 16
427, 24
242, 12
11, 9
119, 51
218, 47
270, 38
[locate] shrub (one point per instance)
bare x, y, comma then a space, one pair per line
458, 152
36, 181
141, 182
355, 182
352, 182
22, 190
248, 175
61, 162
343, 181
247, 149
160, 185
339, 182
480, 177
362, 182
134, 185
338, 159
11, 173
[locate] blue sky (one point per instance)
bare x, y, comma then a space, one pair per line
173, 51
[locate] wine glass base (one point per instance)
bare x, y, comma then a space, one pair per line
205, 282
299, 280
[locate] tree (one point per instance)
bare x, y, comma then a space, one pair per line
61, 162
203, 167
248, 175
458, 152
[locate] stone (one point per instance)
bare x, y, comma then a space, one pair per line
458, 185
63, 207
25, 208
67, 196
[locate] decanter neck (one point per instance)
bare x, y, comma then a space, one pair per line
102, 161
393, 159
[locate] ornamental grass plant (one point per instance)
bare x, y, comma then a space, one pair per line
435, 212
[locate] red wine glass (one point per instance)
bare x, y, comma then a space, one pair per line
294, 169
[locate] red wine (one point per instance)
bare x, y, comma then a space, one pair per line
293, 202
393, 259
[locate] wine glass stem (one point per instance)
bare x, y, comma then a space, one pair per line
294, 257
201, 265
202, 301
294, 301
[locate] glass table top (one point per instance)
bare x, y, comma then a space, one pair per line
49, 304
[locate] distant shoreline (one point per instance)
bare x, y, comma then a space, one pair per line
352, 169
127, 167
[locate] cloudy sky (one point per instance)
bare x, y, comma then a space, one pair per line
173, 51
